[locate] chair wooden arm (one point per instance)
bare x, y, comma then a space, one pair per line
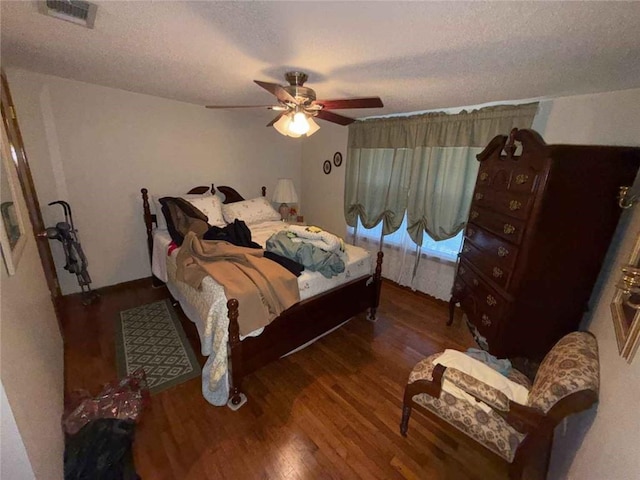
522, 418
433, 387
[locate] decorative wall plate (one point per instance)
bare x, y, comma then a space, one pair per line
337, 159
326, 167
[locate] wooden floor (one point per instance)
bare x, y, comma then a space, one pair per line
329, 411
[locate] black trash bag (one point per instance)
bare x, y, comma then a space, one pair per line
101, 450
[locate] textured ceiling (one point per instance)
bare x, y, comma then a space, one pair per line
414, 55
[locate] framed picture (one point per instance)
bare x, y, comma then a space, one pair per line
326, 167
337, 159
12, 228
625, 307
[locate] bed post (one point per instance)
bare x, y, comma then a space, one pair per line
377, 280
148, 222
235, 347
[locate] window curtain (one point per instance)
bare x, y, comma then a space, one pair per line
423, 166
380, 179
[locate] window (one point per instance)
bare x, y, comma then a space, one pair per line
443, 249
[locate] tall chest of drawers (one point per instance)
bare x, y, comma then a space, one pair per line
539, 227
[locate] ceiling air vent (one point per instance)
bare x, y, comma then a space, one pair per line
75, 11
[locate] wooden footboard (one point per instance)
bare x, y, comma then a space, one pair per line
299, 324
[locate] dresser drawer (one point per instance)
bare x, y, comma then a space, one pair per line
523, 179
499, 275
467, 274
516, 205
508, 228
484, 175
487, 323
488, 299
485, 318
499, 252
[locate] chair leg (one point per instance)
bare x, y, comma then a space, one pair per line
532, 460
404, 424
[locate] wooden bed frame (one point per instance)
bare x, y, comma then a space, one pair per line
296, 326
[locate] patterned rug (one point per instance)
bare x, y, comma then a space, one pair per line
151, 336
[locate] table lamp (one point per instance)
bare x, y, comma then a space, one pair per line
283, 194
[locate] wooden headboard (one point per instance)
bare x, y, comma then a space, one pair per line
231, 195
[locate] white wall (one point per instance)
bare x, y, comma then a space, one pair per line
323, 195
31, 365
602, 443
95, 147
14, 462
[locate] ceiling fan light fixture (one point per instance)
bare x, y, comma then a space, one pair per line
313, 126
287, 126
282, 125
299, 124
299, 105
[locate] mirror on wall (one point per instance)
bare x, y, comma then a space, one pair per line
12, 231
625, 307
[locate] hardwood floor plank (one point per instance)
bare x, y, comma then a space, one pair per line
330, 411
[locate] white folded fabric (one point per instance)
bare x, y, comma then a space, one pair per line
317, 237
475, 368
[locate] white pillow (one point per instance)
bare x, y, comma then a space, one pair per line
250, 212
161, 222
211, 206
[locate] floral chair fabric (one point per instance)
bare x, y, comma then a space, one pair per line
572, 365
489, 429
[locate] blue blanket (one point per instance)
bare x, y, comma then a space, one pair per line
313, 258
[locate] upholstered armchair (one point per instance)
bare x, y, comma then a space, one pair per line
521, 435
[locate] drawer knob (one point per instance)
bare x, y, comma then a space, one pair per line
470, 232
466, 249
474, 215
475, 282
479, 196
522, 178
491, 301
515, 205
486, 321
458, 287
502, 252
497, 272
484, 176
508, 228
462, 270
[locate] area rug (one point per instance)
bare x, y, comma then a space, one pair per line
150, 336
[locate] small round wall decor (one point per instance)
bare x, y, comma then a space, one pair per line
337, 159
326, 167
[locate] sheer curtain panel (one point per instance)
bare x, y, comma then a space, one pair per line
424, 167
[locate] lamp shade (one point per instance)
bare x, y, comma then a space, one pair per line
285, 191
296, 125
313, 126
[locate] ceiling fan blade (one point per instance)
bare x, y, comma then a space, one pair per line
277, 90
366, 102
334, 117
270, 107
270, 124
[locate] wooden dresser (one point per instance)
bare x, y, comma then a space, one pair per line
539, 227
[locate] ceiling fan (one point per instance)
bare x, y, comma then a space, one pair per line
298, 106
